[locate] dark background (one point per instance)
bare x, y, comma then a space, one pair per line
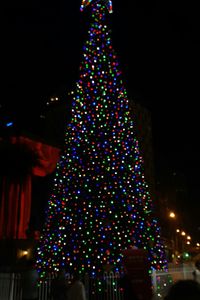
158, 47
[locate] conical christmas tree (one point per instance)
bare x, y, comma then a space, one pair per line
100, 203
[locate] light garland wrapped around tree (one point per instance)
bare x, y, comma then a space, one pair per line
100, 204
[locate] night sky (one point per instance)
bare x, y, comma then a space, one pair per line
158, 46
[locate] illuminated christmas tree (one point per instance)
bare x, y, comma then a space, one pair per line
100, 204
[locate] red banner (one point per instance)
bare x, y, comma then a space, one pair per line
15, 196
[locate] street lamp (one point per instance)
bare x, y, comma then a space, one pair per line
172, 215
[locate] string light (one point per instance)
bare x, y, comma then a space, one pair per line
100, 204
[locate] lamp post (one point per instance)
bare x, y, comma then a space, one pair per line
172, 216
177, 241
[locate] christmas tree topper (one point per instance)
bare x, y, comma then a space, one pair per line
107, 2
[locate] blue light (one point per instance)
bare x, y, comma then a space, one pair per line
9, 124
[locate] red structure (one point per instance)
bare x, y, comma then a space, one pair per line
137, 266
15, 198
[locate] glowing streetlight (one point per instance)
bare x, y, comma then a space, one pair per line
172, 235
172, 215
